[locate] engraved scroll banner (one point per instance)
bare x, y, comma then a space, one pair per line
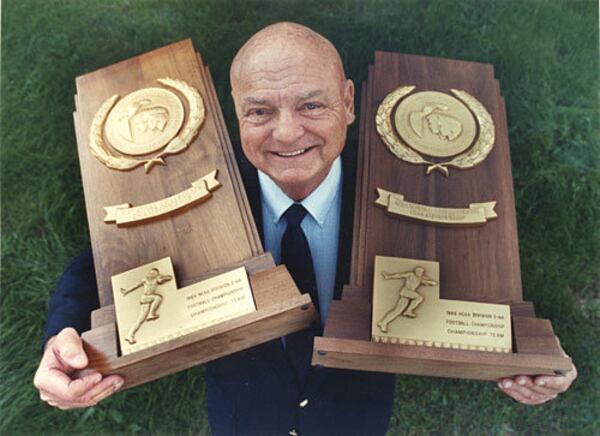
201, 190
476, 213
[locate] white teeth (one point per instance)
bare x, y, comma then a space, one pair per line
293, 153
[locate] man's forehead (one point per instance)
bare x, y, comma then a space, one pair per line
279, 65
267, 97
290, 77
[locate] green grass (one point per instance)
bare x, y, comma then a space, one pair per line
546, 58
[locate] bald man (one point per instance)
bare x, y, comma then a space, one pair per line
293, 103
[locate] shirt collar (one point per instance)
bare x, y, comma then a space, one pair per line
318, 203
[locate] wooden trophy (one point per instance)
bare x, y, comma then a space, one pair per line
181, 272
435, 279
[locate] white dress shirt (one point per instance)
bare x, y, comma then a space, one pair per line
321, 226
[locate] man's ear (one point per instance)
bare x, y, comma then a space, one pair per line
349, 101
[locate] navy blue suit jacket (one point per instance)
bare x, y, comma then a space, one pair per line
256, 391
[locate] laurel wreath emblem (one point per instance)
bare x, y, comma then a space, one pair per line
179, 143
475, 155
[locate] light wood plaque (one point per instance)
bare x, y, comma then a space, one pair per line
183, 235
161, 181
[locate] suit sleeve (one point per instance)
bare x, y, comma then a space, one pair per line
74, 299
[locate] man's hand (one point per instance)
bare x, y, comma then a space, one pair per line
63, 356
537, 390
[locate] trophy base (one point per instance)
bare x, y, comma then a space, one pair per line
347, 344
280, 310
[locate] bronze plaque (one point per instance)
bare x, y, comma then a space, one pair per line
408, 310
151, 310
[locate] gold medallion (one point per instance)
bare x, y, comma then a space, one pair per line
149, 120
438, 125
435, 124
144, 121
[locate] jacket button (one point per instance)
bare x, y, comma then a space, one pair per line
303, 403
293, 432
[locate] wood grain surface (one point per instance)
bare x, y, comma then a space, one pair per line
281, 310
476, 263
346, 344
233, 169
406, 359
200, 239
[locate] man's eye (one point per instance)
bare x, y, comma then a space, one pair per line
257, 115
258, 112
312, 106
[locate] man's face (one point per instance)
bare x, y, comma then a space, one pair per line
293, 114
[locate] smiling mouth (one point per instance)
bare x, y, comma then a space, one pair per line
293, 153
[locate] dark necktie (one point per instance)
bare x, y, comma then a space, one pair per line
295, 252
295, 255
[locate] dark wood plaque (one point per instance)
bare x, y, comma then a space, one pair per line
477, 262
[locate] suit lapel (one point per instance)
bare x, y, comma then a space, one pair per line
250, 180
342, 275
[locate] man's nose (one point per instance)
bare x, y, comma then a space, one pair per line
288, 128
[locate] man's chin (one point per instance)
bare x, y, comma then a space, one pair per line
298, 184
294, 179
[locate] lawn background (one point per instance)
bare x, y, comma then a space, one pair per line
545, 55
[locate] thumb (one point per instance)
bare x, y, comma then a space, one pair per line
68, 347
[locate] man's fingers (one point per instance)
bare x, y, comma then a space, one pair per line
113, 384
62, 387
64, 353
46, 396
68, 348
106, 387
513, 389
530, 391
57, 402
536, 389
525, 396
541, 390
102, 390
516, 395
557, 383
525, 393
521, 398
